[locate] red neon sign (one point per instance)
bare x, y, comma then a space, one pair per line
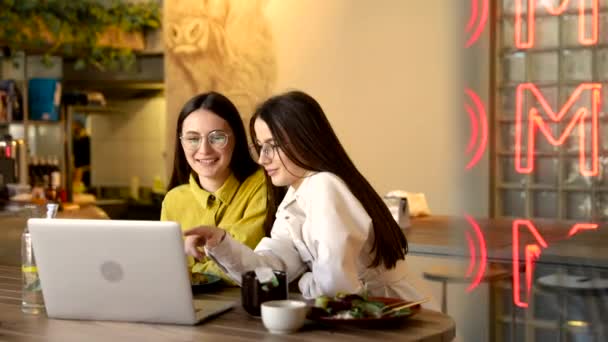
582, 38
477, 111
483, 254
535, 121
581, 226
474, 26
532, 252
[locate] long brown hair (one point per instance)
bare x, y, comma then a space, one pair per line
241, 165
301, 129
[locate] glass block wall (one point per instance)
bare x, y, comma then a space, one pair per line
551, 127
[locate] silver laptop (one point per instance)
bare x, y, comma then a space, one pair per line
117, 270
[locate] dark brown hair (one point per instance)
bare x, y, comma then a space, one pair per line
241, 165
301, 129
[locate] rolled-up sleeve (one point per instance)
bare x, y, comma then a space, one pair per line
276, 252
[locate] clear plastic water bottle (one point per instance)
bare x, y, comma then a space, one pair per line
32, 301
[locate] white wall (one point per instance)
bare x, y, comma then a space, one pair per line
129, 143
387, 74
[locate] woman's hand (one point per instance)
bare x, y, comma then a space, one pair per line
202, 236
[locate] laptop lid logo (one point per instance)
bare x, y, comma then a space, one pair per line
112, 271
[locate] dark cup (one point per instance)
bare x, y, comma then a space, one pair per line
253, 295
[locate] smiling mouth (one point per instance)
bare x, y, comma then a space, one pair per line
271, 172
207, 161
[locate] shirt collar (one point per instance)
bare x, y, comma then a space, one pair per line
224, 194
296, 195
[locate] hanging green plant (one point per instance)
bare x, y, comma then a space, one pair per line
104, 35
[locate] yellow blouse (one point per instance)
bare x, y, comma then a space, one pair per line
240, 209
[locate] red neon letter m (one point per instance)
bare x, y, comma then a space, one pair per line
530, 20
535, 121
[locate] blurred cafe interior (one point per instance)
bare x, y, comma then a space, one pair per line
488, 116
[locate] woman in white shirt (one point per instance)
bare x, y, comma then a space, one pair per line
331, 230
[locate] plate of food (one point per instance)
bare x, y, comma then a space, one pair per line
204, 282
356, 310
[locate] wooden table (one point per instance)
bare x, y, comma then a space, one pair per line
235, 325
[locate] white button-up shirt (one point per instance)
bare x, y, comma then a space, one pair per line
323, 234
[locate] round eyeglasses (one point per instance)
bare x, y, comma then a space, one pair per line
217, 139
266, 149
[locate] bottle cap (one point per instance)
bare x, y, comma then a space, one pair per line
51, 210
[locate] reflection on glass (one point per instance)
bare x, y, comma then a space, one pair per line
545, 204
603, 37
573, 175
603, 171
507, 37
576, 65
508, 103
544, 302
478, 254
513, 204
547, 34
509, 174
578, 205
507, 133
543, 66
508, 6
574, 141
549, 94
570, 27
542, 142
533, 305
534, 277
604, 137
583, 100
546, 171
601, 206
602, 65
515, 67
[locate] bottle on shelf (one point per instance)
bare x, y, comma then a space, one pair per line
32, 300
39, 190
53, 193
43, 166
54, 164
34, 174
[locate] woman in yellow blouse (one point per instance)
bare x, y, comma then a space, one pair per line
215, 181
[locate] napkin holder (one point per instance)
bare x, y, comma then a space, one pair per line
399, 208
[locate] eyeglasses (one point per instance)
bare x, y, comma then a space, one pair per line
266, 149
217, 139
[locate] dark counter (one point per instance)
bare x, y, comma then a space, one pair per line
129, 209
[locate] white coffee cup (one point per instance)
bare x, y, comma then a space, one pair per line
284, 316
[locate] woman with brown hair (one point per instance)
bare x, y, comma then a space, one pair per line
331, 230
215, 181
